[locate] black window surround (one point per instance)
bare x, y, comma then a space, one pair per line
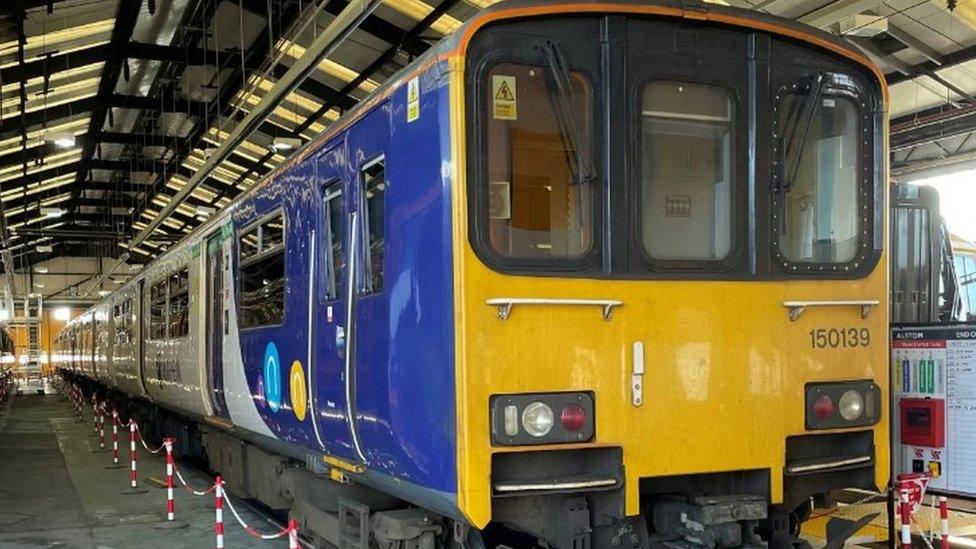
868, 224
752, 256
527, 50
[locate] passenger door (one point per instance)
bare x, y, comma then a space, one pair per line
327, 374
367, 371
216, 323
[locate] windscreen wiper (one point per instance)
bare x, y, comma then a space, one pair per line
566, 105
797, 139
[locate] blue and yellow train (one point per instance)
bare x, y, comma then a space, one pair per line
587, 274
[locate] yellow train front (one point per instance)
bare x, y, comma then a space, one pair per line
672, 312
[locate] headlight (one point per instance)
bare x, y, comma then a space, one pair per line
537, 419
541, 418
851, 405
842, 404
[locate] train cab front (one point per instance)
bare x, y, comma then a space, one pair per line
671, 287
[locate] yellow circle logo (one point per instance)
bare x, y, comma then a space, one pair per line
299, 397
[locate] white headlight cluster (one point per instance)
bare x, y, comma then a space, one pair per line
538, 419
851, 405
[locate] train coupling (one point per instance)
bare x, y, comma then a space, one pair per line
713, 521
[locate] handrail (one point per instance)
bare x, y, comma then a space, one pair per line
797, 307
505, 304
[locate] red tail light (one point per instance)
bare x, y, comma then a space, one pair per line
823, 407
573, 417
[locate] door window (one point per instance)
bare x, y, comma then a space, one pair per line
332, 243
374, 222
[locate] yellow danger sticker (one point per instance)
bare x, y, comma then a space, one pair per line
504, 101
413, 99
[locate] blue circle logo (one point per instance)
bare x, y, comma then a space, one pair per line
272, 377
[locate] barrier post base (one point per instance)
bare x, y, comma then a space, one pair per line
134, 491
170, 525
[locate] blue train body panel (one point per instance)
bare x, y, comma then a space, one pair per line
404, 352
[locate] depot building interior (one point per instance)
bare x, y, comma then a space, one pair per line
470, 273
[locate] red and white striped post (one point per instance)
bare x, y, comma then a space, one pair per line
219, 511
101, 426
293, 534
170, 504
944, 522
133, 475
170, 521
115, 437
76, 400
906, 519
94, 414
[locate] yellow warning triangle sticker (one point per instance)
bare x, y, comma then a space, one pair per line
504, 93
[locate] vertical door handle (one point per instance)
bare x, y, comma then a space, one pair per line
637, 376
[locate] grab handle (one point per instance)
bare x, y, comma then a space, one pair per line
505, 304
797, 307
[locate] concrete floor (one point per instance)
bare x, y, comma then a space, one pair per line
55, 490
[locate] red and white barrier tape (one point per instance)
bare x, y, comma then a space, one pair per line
254, 533
143, 442
187, 485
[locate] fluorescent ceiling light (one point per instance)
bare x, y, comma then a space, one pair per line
205, 210
286, 143
52, 212
40, 270
38, 285
103, 293
45, 248
61, 140
62, 313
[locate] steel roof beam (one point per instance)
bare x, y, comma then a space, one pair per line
324, 44
382, 29
379, 62
126, 16
11, 124
256, 54
52, 64
835, 11
319, 90
949, 60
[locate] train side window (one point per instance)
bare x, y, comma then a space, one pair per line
123, 322
686, 171
262, 274
179, 304
332, 242
157, 310
373, 177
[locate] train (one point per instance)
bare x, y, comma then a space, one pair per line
586, 274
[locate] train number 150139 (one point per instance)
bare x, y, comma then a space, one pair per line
833, 338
